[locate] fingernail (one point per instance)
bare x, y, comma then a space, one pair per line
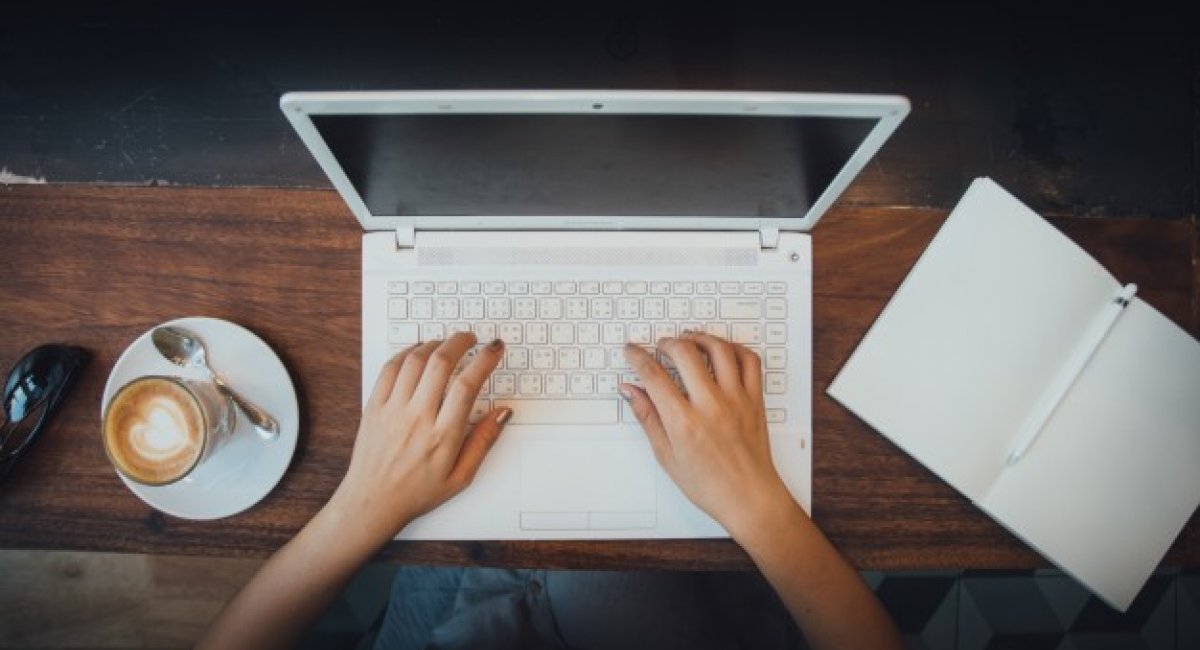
625, 392
496, 343
505, 414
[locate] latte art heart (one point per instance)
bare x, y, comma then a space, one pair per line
154, 430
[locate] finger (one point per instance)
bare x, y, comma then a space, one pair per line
652, 424
659, 387
464, 389
477, 445
387, 377
722, 358
690, 362
751, 371
411, 369
440, 366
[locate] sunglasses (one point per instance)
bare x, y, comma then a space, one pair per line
34, 389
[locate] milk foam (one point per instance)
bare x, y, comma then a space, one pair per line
153, 430
162, 431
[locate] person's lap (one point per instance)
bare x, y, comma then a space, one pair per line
493, 608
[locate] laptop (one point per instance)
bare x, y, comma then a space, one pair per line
569, 223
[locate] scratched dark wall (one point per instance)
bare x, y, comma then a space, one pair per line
1078, 113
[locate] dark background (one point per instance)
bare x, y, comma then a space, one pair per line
1077, 110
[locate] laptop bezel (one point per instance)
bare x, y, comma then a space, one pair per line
298, 107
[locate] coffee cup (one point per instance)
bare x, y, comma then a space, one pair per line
158, 429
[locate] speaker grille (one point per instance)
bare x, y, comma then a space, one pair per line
571, 256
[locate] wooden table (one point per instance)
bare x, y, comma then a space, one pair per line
97, 266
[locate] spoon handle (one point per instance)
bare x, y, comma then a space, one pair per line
258, 417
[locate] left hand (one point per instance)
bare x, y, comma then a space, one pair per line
414, 449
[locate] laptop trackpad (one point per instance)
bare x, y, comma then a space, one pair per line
586, 484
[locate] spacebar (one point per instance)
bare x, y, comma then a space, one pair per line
561, 411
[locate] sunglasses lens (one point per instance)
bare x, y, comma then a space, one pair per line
17, 433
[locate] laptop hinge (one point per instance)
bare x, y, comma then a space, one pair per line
406, 237
768, 238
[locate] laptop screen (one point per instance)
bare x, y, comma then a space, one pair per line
591, 165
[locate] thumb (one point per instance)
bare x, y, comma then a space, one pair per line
647, 415
479, 443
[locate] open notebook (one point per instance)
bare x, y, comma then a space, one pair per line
1004, 330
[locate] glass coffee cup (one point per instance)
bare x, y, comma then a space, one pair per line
158, 429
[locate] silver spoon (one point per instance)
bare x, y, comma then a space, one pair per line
184, 348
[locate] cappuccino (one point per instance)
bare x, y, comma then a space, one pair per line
158, 429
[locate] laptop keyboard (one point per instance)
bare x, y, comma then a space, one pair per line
564, 340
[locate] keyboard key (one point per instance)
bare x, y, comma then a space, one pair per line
664, 330
420, 308
493, 288
708, 288
518, 287
628, 308
556, 383
471, 308
455, 328
397, 286
741, 308
588, 333
569, 358
660, 288
684, 287
541, 288
525, 308
564, 287
614, 333
562, 411
747, 333
543, 358
433, 331
776, 333
640, 333
611, 287
499, 308
587, 287
729, 287
403, 333
398, 308
447, 287
776, 308
616, 358
550, 308
562, 333
422, 288
504, 383
577, 308
636, 287
537, 333
654, 308
512, 333
705, 308
606, 383
594, 358
717, 329
530, 385
445, 308
776, 288
679, 308
776, 383
752, 287
776, 359
473, 288
485, 332
776, 416
582, 383
602, 308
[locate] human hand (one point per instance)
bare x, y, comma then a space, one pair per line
712, 442
413, 451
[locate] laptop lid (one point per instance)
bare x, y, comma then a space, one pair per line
551, 160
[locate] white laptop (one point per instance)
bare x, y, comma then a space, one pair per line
571, 222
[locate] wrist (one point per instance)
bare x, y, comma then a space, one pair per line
770, 514
358, 524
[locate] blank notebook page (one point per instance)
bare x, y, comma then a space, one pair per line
973, 337
1114, 475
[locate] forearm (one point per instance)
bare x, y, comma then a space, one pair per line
292, 589
824, 594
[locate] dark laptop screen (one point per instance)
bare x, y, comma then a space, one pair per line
585, 165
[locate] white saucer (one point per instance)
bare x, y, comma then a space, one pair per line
247, 468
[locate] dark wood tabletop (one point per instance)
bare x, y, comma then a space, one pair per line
97, 266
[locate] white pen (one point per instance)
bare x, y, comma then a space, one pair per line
1089, 342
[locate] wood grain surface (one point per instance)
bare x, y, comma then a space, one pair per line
97, 266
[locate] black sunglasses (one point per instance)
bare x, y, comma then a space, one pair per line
32, 393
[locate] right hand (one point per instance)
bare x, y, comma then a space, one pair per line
713, 442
